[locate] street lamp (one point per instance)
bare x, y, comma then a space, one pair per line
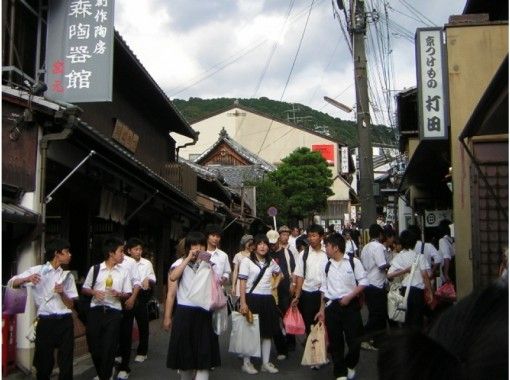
337, 104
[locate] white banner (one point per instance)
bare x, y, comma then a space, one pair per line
432, 84
345, 159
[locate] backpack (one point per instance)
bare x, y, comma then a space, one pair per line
83, 303
360, 298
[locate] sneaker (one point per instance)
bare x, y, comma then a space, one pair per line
249, 369
118, 359
122, 375
351, 373
140, 358
269, 367
95, 378
368, 346
281, 357
341, 378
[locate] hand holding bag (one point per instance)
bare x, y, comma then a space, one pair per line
397, 304
153, 309
293, 322
245, 336
220, 320
14, 300
446, 292
218, 298
315, 349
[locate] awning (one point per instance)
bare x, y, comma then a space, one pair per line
17, 214
490, 117
428, 166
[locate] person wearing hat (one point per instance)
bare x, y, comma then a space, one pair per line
246, 248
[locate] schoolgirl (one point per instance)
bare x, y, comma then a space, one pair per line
193, 348
255, 273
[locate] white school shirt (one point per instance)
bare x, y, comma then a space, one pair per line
46, 300
221, 263
350, 246
341, 279
314, 269
187, 279
430, 252
130, 267
121, 283
373, 257
145, 270
249, 271
405, 259
446, 247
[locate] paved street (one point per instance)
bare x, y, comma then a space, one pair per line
154, 367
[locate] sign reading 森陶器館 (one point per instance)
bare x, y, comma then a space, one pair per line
432, 84
79, 50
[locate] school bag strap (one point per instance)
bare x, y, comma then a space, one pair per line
305, 257
259, 277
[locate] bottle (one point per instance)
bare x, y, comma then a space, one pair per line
108, 285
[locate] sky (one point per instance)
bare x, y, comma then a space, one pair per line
251, 48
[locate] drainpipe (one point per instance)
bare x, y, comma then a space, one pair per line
63, 135
195, 140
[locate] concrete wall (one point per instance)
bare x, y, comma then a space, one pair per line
474, 55
271, 140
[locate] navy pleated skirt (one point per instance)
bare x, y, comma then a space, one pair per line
193, 343
269, 314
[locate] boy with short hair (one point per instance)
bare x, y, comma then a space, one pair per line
112, 286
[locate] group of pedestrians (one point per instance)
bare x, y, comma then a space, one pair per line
118, 286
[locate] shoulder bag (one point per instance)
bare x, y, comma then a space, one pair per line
397, 304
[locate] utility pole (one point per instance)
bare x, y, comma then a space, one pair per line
357, 30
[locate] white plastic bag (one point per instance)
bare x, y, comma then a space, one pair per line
315, 350
245, 336
397, 305
220, 320
32, 329
200, 292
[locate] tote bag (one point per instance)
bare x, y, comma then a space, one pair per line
245, 336
200, 292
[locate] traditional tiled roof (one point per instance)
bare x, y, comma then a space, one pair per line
238, 148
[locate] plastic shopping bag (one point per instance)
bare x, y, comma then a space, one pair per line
446, 292
218, 297
397, 305
315, 349
293, 322
245, 336
14, 300
200, 292
220, 320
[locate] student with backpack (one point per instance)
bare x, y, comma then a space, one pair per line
344, 278
308, 274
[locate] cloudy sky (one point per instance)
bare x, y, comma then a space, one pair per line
246, 48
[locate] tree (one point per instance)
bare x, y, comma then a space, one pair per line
269, 194
305, 181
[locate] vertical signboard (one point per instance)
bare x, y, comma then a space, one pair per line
79, 50
345, 160
432, 84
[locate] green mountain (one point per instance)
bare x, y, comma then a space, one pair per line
320, 122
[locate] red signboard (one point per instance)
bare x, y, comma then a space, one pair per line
327, 151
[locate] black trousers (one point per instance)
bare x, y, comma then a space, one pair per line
51, 334
344, 321
103, 329
415, 308
309, 305
139, 312
376, 300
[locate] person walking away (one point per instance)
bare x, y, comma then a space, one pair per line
295, 232
350, 246
344, 279
374, 261
401, 265
447, 251
246, 246
112, 287
431, 254
54, 292
218, 257
255, 277
193, 347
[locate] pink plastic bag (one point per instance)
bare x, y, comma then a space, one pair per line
219, 299
14, 300
447, 292
293, 322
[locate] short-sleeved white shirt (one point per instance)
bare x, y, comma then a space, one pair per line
350, 246
341, 279
373, 257
121, 283
186, 281
129, 266
145, 270
47, 301
446, 247
430, 252
249, 271
405, 259
315, 264
221, 263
